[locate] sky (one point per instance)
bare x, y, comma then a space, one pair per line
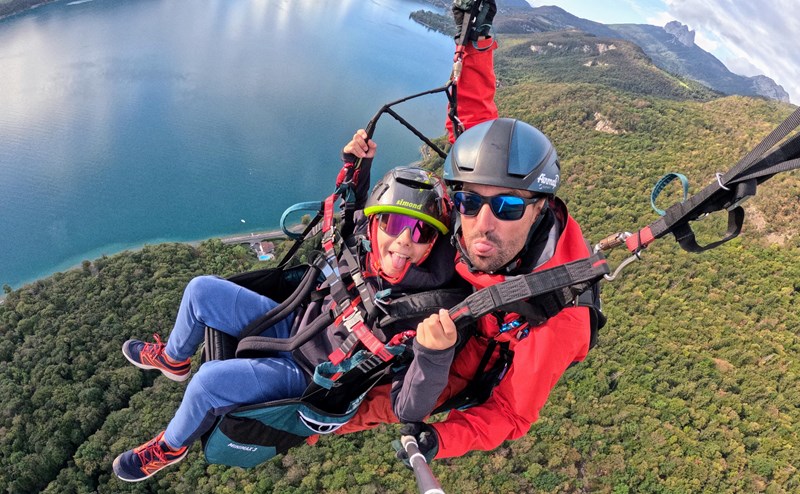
750, 37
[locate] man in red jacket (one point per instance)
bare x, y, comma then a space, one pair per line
504, 174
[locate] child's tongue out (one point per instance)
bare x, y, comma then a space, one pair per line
398, 261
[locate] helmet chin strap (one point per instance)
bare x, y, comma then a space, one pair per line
545, 219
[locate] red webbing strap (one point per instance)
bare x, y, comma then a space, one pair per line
640, 240
343, 173
327, 224
352, 320
402, 337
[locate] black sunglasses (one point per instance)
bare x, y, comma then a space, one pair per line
504, 206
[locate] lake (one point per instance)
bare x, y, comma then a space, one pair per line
124, 123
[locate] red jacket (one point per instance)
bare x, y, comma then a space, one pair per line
539, 361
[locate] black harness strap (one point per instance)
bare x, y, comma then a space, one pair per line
727, 192
781, 131
282, 310
258, 346
480, 387
551, 290
422, 304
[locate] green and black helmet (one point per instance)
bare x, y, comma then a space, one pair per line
505, 153
413, 192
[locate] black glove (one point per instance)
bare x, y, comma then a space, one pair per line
483, 25
483, 22
427, 441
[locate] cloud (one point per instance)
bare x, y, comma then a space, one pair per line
741, 66
660, 18
707, 43
757, 35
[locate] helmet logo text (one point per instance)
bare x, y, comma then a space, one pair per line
403, 202
550, 182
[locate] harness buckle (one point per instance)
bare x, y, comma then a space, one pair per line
351, 320
327, 240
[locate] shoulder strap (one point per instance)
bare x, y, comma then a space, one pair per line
543, 293
289, 305
421, 304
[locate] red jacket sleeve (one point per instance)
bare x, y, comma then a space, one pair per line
539, 361
475, 88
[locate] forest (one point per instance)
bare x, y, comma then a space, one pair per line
693, 387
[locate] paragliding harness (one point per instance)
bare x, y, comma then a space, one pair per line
252, 434
515, 321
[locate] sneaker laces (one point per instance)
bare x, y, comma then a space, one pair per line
152, 451
154, 349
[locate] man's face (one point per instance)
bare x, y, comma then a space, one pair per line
491, 242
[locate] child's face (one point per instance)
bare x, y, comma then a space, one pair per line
395, 252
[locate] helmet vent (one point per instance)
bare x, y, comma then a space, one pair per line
414, 184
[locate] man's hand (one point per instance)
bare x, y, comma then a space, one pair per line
427, 441
360, 145
437, 332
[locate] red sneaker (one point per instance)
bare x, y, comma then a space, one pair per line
151, 356
143, 462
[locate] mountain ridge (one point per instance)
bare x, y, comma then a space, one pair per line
671, 47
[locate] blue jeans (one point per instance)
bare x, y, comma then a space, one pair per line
219, 386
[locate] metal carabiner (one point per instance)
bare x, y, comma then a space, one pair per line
635, 257
615, 240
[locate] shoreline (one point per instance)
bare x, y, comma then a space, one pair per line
231, 239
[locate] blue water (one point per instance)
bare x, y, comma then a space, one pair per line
125, 123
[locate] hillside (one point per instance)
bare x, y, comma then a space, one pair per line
686, 59
574, 57
671, 48
694, 386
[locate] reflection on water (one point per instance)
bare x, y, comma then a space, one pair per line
126, 123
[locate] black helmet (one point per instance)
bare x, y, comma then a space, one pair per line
413, 192
506, 153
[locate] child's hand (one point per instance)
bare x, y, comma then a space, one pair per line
437, 332
360, 146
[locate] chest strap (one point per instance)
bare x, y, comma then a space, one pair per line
536, 296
